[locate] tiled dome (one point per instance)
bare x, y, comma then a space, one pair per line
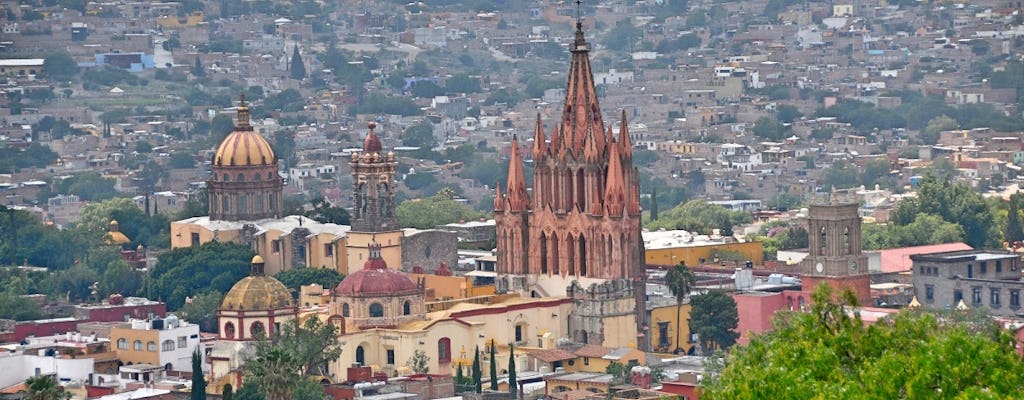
375, 279
244, 146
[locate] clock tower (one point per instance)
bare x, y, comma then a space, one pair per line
835, 255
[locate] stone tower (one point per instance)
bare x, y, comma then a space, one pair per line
373, 204
581, 224
245, 184
835, 255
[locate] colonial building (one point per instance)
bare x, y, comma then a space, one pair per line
836, 258
246, 207
245, 184
255, 306
989, 280
578, 233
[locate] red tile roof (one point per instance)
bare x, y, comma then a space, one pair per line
898, 260
592, 351
551, 355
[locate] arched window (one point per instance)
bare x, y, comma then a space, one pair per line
227, 178
167, 345
257, 328
241, 177
444, 350
344, 310
376, 310
229, 330
821, 245
406, 308
846, 241
270, 176
150, 346
137, 345
360, 355
122, 344
256, 177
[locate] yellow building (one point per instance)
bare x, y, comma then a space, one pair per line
166, 343
673, 247
670, 329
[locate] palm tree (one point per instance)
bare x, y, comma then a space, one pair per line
680, 280
44, 387
275, 373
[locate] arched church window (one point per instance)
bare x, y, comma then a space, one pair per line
229, 330
376, 310
257, 328
444, 350
846, 240
822, 241
345, 310
406, 308
241, 177
360, 355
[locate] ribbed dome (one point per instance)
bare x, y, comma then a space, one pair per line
375, 279
244, 146
371, 144
257, 293
114, 235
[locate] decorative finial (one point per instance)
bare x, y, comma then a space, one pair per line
371, 125
243, 113
581, 43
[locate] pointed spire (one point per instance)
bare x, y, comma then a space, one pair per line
633, 199
540, 146
590, 150
499, 202
582, 111
624, 141
614, 193
516, 186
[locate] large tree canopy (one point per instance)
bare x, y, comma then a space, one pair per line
914, 354
430, 212
700, 217
953, 202
188, 271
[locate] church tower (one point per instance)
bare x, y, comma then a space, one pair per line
245, 184
835, 256
373, 203
578, 233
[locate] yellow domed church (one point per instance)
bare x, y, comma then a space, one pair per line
246, 206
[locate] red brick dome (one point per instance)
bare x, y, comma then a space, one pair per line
375, 279
371, 144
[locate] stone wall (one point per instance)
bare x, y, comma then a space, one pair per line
428, 249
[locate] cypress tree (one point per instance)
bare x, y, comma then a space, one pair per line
477, 374
494, 369
654, 204
1013, 229
198, 380
228, 392
512, 384
298, 67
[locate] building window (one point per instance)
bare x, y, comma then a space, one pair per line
994, 297
958, 295
406, 308
275, 246
929, 293
137, 345
519, 333
1015, 298
999, 266
167, 345
391, 356
663, 339
229, 330
376, 310
976, 295
257, 328
984, 268
444, 350
328, 250
150, 346
195, 239
182, 342
122, 344
344, 310
586, 360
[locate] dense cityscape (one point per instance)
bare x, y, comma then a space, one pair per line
665, 199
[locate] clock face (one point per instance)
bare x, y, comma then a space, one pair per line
819, 267
853, 266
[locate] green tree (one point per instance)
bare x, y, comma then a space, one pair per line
228, 392
202, 310
45, 387
1013, 232
275, 372
198, 379
295, 278
60, 67
494, 368
680, 281
930, 134
311, 345
769, 129
840, 175
432, 211
419, 362
622, 36
787, 113
713, 317
182, 160
911, 355
462, 83
13, 306
701, 217
324, 212
477, 373
308, 389
89, 186
249, 392
513, 385
877, 171
188, 271
953, 202
198, 70
420, 135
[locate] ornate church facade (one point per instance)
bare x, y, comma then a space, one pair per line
578, 233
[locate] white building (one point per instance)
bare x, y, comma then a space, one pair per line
168, 343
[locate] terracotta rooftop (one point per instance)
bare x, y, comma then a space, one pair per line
898, 260
592, 350
552, 355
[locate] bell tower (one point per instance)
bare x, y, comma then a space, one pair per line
373, 204
835, 254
